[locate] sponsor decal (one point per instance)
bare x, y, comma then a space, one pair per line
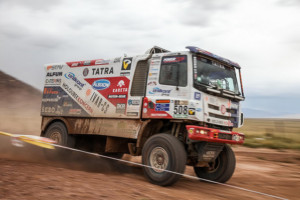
121, 83
54, 74
77, 98
73, 77
126, 65
173, 59
53, 81
57, 102
191, 111
74, 111
50, 91
56, 99
101, 84
152, 83
132, 114
67, 104
114, 89
52, 109
134, 102
155, 62
120, 108
197, 96
180, 102
54, 67
117, 96
99, 102
102, 70
122, 88
162, 107
125, 74
101, 62
153, 74
163, 101
88, 92
85, 72
158, 90
88, 63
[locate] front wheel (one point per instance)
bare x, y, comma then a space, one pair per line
163, 152
221, 169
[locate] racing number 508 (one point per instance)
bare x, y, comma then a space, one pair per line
180, 110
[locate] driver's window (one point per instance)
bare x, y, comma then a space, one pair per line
173, 71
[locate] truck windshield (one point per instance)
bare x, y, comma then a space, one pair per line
214, 74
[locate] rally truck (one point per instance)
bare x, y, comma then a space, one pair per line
172, 108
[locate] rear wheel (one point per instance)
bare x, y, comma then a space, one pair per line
58, 132
163, 152
221, 169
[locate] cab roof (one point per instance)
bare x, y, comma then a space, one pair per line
198, 50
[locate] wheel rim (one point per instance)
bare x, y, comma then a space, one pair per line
159, 159
56, 136
213, 166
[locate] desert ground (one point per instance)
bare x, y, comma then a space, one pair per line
31, 172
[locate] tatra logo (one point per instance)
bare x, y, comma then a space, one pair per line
104, 70
126, 65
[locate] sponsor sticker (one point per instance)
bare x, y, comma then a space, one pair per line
132, 114
120, 108
162, 107
101, 62
117, 96
73, 77
54, 74
53, 81
50, 91
197, 96
134, 102
85, 72
54, 67
159, 90
126, 65
101, 84
173, 59
191, 111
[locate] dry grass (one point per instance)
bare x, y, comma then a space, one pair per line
272, 133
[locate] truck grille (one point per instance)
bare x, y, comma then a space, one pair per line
233, 119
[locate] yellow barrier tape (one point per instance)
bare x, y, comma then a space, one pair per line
32, 139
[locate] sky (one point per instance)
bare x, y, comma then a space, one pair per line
262, 36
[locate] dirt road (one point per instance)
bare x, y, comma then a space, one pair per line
27, 173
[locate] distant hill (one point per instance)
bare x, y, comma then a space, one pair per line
19, 106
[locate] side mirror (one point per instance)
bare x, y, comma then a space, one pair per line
242, 119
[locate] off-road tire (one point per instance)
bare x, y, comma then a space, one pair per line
58, 132
224, 170
174, 151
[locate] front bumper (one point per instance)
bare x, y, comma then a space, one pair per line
214, 135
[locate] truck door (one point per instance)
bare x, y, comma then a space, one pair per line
138, 88
167, 88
